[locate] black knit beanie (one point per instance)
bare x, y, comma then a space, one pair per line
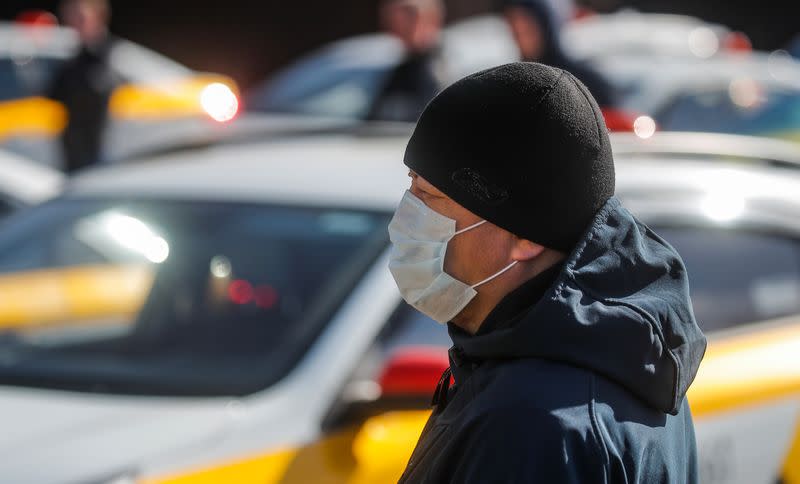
523, 146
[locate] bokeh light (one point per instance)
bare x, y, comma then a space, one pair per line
219, 101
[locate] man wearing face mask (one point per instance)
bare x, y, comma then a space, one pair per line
574, 340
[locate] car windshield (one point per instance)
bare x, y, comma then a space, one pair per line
172, 297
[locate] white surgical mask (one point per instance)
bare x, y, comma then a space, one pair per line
419, 238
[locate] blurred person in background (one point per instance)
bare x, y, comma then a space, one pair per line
537, 31
564, 10
414, 82
84, 83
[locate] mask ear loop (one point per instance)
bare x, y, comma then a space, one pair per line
497, 274
469, 228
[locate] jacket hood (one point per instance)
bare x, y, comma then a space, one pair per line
619, 307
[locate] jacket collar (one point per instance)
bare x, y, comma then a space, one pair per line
506, 314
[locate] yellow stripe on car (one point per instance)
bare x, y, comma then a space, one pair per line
67, 295
375, 452
32, 116
748, 369
256, 470
791, 469
384, 444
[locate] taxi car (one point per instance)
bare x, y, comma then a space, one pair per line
154, 89
263, 339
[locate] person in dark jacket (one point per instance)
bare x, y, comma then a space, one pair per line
574, 339
84, 83
410, 85
537, 33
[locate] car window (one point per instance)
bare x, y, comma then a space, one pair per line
170, 297
25, 76
345, 92
738, 277
748, 108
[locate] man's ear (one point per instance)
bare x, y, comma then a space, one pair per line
525, 250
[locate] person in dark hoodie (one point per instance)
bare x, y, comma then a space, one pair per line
537, 32
574, 339
410, 85
84, 83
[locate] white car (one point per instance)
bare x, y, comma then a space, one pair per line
223, 314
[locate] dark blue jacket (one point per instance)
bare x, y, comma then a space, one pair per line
578, 376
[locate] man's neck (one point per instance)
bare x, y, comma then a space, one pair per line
489, 296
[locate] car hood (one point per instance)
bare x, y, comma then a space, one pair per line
61, 437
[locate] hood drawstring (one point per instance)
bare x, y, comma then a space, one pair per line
463, 364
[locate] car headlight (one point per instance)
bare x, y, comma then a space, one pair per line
219, 101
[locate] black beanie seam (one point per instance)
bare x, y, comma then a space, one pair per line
549, 89
583, 91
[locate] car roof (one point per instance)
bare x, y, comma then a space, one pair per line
631, 32
18, 40
357, 169
339, 170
